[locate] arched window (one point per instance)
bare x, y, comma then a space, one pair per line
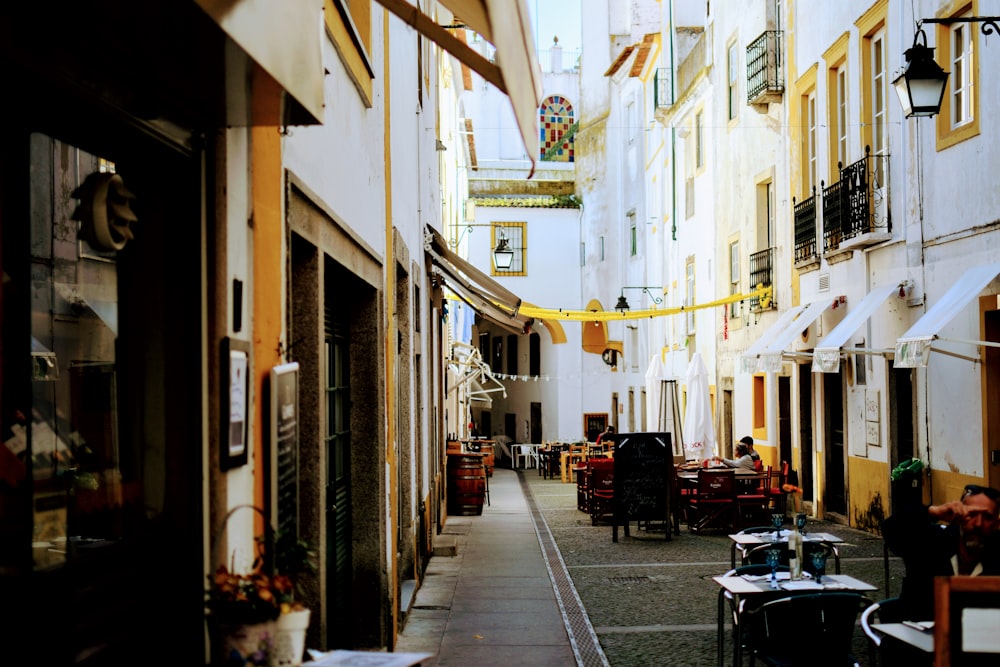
556, 122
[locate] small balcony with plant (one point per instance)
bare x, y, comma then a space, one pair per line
762, 275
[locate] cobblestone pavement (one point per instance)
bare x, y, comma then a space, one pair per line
653, 601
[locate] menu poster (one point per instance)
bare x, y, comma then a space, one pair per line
234, 375
642, 479
284, 418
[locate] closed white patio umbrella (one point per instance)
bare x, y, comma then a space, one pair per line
699, 427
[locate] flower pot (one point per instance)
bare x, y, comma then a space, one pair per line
290, 639
244, 644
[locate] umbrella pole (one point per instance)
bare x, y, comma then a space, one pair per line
670, 415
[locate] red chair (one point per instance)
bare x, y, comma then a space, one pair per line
713, 506
601, 490
776, 495
753, 500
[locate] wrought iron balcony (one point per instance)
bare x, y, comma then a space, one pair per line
854, 211
805, 231
765, 71
762, 275
663, 93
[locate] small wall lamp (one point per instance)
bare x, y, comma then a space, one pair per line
622, 304
503, 255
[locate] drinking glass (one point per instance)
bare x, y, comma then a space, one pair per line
773, 558
819, 564
800, 522
777, 520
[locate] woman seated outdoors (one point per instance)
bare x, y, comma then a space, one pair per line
742, 460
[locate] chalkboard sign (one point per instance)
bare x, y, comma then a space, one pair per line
285, 446
643, 476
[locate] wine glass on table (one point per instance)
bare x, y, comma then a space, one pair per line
773, 558
819, 564
777, 520
800, 522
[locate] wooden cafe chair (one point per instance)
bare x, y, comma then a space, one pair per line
713, 505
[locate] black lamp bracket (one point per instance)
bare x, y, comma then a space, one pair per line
989, 27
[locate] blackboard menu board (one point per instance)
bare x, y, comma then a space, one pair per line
642, 479
285, 446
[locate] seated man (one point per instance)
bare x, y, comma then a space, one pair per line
968, 544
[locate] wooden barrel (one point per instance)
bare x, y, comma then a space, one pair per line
466, 484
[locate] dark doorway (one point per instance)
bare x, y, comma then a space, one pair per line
833, 410
536, 423
901, 446
806, 432
784, 418
510, 426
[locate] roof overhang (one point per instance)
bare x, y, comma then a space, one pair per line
913, 347
490, 299
826, 355
506, 25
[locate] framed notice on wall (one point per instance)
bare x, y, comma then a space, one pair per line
284, 417
234, 401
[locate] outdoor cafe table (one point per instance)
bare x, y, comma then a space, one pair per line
742, 586
744, 542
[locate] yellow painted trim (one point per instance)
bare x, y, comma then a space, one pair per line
868, 493
804, 87
868, 24
556, 332
266, 293
835, 58
946, 135
355, 61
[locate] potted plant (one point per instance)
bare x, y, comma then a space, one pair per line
256, 617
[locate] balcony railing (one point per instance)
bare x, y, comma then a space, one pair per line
765, 71
805, 229
853, 206
663, 92
762, 275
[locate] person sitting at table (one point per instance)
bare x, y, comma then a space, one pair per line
747, 440
967, 544
742, 460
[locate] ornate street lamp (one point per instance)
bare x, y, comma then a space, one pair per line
921, 85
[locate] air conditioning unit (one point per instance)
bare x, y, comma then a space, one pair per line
808, 337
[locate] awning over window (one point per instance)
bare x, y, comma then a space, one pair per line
289, 50
507, 26
490, 299
770, 357
913, 347
826, 355
749, 358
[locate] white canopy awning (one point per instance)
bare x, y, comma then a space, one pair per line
749, 358
826, 355
913, 347
770, 357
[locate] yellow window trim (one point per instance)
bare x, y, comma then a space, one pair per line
946, 135
350, 47
835, 58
